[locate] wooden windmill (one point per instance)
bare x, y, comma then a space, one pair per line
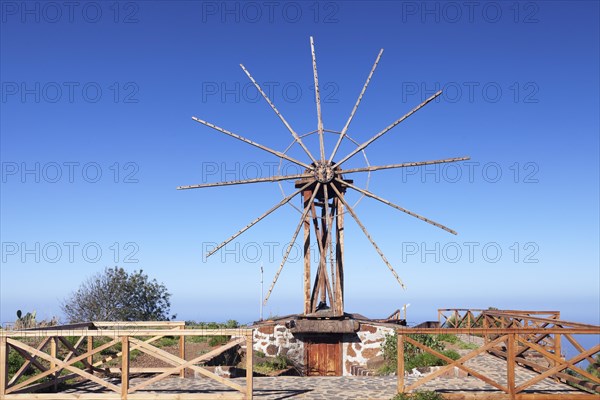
322, 187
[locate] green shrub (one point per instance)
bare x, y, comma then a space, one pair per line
278, 363
448, 338
414, 356
218, 340
425, 395
594, 368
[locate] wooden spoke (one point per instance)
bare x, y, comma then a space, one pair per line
251, 224
404, 165
289, 248
364, 89
294, 134
397, 207
362, 227
318, 100
260, 146
389, 127
242, 182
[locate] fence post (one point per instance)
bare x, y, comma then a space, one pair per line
124, 367
3, 365
53, 346
557, 347
249, 366
486, 338
90, 358
400, 366
510, 365
182, 350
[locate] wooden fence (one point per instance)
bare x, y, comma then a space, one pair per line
514, 337
100, 353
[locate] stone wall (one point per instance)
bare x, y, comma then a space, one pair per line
363, 346
276, 339
357, 348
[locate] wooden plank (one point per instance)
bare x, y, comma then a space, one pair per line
30, 360
400, 365
114, 396
458, 363
53, 347
117, 334
307, 194
179, 363
3, 365
339, 257
579, 347
60, 364
249, 368
124, 367
565, 363
182, 351
540, 368
562, 363
510, 365
90, 348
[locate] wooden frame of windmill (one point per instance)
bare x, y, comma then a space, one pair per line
323, 186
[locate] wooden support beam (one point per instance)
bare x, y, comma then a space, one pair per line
3, 365
53, 348
307, 195
249, 367
510, 365
400, 367
90, 348
182, 350
124, 367
339, 257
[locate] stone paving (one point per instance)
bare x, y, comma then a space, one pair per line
356, 387
351, 387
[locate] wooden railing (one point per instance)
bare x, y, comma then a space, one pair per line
512, 336
473, 317
100, 353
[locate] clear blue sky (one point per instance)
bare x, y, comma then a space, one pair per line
110, 88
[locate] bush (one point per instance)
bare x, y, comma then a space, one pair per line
218, 340
278, 363
426, 395
594, 368
414, 356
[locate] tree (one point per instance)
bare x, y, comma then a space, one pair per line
116, 295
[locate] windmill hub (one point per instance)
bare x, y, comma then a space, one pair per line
324, 172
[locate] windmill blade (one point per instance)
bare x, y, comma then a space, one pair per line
404, 210
383, 132
294, 134
260, 146
364, 89
404, 165
245, 181
251, 224
318, 99
289, 248
367, 235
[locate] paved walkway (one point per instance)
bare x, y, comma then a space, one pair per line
354, 387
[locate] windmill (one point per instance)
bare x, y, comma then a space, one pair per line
322, 187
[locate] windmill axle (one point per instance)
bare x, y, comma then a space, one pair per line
324, 171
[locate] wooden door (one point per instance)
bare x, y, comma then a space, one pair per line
324, 356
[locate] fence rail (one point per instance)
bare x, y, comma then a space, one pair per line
521, 339
100, 353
